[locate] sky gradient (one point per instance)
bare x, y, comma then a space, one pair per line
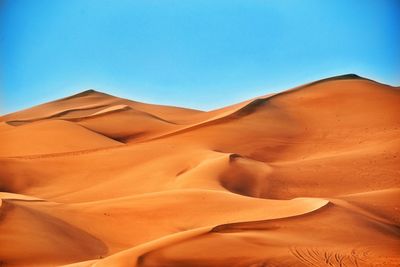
199, 54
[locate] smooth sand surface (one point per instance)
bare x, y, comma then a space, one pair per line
306, 177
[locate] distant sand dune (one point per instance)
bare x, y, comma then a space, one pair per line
306, 177
40, 137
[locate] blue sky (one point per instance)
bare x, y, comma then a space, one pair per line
199, 54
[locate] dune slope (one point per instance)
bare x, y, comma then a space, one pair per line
306, 177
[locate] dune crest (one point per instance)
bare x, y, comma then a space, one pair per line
304, 177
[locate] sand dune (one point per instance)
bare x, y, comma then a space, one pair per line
305, 177
40, 138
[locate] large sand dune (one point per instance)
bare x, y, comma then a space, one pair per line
306, 177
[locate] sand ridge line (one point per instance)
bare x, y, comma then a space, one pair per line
133, 256
52, 116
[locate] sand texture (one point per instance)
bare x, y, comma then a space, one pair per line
306, 177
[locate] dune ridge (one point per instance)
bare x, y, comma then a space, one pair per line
305, 177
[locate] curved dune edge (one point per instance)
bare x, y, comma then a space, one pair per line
55, 115
111, 109
13, 196
130, 257
104, 109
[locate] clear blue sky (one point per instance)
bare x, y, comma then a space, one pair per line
200, 54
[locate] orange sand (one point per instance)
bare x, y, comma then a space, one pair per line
306, 177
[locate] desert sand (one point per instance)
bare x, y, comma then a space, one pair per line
306, 177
